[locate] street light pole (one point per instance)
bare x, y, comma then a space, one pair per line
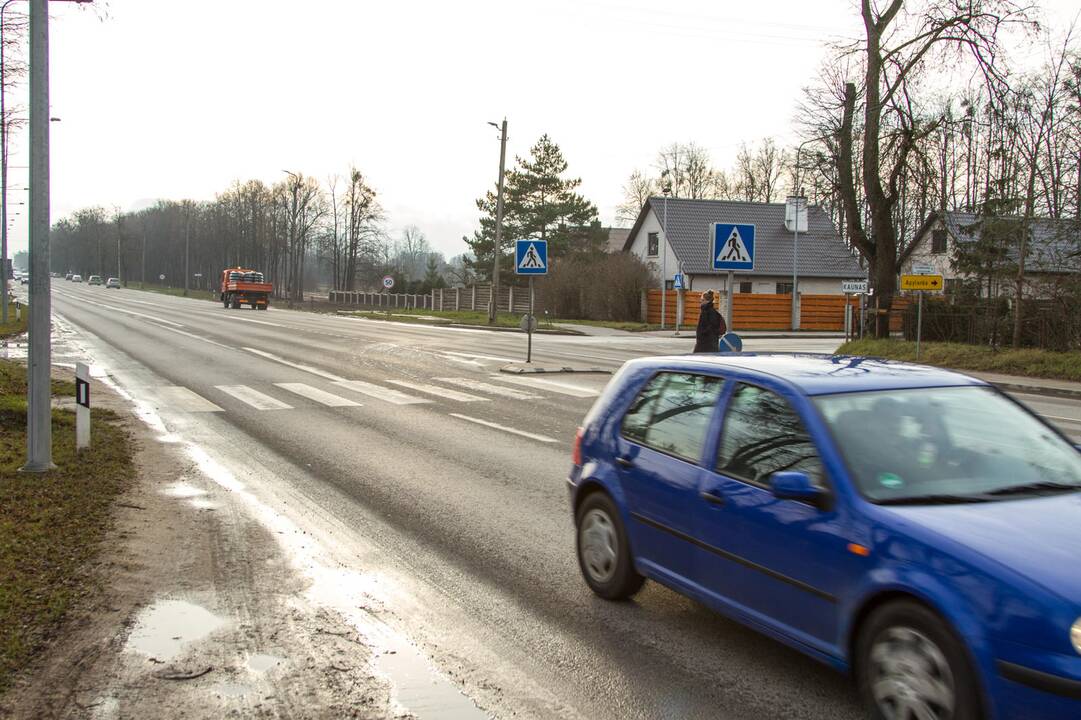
3, 175
666, 188
493, 308
39, 358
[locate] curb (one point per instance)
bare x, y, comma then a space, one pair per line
1037, 390
352, 314
520, 370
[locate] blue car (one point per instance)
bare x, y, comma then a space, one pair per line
913, 526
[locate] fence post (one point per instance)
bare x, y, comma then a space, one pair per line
473, 302
510, 301
457, 299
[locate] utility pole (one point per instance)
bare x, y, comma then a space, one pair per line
3, 178
187, 238
666, 188
142, 284
39, 360
493, 308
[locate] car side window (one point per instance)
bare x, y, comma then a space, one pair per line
762, 435
672, 414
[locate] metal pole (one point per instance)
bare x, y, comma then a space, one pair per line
664, 262
529, 324
142, 284
919, 323
795, 272
3, 175
730, 300
493, 309
39, 390
187, 244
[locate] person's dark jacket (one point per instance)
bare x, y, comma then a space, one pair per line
710, 328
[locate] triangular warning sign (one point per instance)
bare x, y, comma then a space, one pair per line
531, 259
734, 250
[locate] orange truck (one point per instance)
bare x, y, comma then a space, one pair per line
244, 287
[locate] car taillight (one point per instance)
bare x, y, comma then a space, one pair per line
576, 456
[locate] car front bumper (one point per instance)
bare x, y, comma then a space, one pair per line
1048, 688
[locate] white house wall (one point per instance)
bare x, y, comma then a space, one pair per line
922, 255
767, 284
640, 247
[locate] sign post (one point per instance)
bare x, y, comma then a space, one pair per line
678, 286
530, 258
732, 249
82, 406
921, 283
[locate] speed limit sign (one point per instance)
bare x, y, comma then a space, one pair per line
388, 282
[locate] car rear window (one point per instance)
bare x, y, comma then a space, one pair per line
672, 412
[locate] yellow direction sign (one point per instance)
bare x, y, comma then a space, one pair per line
932, 283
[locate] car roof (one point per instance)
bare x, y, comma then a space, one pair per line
818, 374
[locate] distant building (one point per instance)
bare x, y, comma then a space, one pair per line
617, 238
1054, 251
823, 261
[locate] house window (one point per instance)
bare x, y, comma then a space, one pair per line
745, 287
784, 288
938, 241
653, 245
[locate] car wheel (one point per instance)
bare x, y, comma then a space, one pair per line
604, 554
910, 664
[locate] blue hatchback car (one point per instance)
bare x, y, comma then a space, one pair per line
914, 526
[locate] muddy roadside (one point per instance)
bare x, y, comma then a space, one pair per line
195, 612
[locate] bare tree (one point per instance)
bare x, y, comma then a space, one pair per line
636, 192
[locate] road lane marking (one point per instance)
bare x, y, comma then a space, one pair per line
177, 397
553, 385
1062, 419
489, 388
503, 428
247, 320
440, 391
320, 396
122, 310
381, 393
254, 398
298, 366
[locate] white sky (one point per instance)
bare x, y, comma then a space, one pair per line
179, 98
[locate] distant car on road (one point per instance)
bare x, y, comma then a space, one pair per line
67, 276
94, 280
912, 525
24, 279
112, 283
77, 278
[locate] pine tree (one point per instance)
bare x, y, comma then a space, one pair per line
540, 204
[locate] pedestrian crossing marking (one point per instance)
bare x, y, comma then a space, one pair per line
734, 250
504, 428
438, 391
254, 398
488, 388
181, 398
552, 385
379, 392
320, 396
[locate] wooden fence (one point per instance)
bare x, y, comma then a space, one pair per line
474, 297
759, 311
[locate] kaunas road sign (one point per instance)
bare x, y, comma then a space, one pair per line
930, 283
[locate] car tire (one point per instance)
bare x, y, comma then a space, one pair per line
604, 553
909, 660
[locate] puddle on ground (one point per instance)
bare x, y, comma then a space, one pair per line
230, 690
162, 629
201, 504
263, 663
183, 490
418, 688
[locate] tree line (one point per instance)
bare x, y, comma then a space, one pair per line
299, 232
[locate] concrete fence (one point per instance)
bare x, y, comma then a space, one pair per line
475, 297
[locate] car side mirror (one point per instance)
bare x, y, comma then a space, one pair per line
797, 486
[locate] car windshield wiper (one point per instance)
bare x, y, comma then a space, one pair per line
1042, 486
933, 500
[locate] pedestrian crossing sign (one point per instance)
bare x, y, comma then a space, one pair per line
733, 247
531, 257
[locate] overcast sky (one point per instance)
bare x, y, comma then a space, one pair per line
177, 99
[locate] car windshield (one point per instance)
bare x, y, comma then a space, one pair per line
968, 444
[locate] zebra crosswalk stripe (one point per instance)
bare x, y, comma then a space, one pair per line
320, 396
379, 392
438, 391
254, 398
552, 385
489, 388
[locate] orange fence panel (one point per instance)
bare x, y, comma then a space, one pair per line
754, 311
824, 312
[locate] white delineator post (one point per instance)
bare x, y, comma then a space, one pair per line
82, 406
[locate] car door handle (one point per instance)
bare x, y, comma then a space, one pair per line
712, 498
624, 462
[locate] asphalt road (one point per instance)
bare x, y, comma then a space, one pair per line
444, 482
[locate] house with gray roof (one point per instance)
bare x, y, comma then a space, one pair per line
678, 238
1054, 250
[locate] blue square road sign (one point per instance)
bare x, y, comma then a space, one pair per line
531, 257
732, 247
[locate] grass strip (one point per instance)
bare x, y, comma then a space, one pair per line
13, 327
52, 524
1027, 362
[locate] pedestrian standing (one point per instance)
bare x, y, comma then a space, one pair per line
711, 326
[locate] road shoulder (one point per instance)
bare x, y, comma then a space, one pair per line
195, 612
